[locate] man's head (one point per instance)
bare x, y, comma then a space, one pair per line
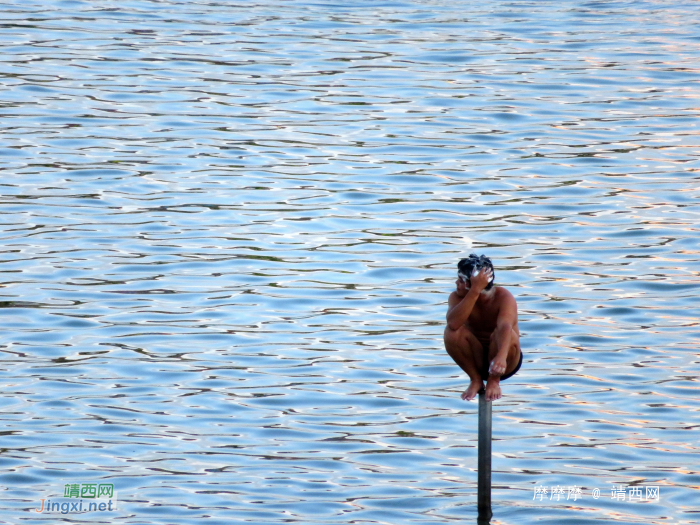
472, 264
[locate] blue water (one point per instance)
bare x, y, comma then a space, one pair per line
229, 232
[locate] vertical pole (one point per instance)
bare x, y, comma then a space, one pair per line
484, 490
484, 486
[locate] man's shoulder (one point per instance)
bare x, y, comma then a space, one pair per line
454, 298
502, 294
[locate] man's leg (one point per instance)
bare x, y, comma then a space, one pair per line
493, 384
466, 351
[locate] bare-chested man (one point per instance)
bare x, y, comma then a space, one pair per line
480, 316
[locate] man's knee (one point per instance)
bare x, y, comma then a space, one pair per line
460, 337
514, 342
450, 337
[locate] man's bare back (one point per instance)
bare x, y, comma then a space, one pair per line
480, 315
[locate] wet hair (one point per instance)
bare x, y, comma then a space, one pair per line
465, 267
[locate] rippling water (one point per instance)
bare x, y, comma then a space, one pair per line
230, 228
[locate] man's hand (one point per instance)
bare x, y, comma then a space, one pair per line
481, 279
498, 365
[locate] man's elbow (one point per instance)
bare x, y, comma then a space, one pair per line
453, 324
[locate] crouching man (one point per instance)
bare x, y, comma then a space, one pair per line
482, 318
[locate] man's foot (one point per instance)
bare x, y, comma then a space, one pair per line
493, 388
471, 392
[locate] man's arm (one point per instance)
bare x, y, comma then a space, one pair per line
459, 307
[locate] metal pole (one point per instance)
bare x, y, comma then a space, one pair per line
484, 491
484, 486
